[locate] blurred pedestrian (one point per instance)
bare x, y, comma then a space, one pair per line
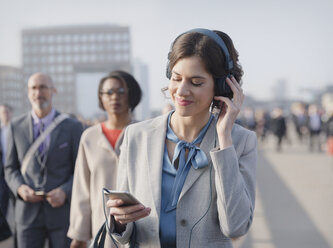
39, 167
262, 124
278, 126
5, 117
249, 120
5, 195
193, 171
329, 128
299, 118
97, 161
314, 127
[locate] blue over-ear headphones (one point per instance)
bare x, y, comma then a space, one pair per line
221, 86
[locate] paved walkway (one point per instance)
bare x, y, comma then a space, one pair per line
294, 205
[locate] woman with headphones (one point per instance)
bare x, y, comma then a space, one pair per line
193, 171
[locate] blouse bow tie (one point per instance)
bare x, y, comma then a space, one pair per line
195, 157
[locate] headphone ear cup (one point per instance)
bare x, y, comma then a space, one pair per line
222, 88
168, 72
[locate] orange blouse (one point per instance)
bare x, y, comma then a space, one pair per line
112, 135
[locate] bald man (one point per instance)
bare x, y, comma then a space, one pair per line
43, 192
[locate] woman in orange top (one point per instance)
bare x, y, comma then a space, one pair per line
97, 160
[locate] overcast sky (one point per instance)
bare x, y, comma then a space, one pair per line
285, 39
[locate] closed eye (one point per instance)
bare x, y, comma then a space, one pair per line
197, 84
176, 79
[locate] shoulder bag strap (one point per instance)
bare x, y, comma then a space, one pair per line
33, 148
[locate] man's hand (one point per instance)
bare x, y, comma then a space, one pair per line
28, 194
78, 244
56, 197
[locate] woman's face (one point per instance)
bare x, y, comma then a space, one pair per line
191, 87
115, 96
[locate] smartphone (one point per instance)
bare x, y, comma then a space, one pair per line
40, 193
127, 197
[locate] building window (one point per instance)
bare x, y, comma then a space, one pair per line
116, 36
76, 58
60, 58
85, 58
68, 58
42, 39
67, 38
51, 59
51, 49
69, 68
59, 38
59, 48
92, 37
101, 37
84, 38
50, 38
61, 79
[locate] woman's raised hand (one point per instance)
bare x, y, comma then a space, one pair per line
228, 114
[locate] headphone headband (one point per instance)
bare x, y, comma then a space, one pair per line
218, 40
221, 87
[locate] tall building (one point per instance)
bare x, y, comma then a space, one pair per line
76, 57
11, 91
141, 73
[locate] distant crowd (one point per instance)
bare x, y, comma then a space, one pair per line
309, 124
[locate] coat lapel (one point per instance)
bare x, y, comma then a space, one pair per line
102, 140
29, 132
156, 142
54, 134
207, 144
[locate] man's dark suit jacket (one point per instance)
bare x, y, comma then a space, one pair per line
4, 191
60, 163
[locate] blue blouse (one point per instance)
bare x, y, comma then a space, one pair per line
173, 180
167, 218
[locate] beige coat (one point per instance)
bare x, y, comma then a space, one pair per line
216, 202
95, 168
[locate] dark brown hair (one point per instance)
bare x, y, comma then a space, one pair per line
211, 54
134, 90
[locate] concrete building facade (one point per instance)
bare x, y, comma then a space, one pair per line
68, 51
11, 91
141, 73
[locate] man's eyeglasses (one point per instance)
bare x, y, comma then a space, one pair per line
41, 88
119, 92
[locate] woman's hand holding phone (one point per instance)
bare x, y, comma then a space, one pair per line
124, 214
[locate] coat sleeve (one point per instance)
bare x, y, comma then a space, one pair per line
12, 167
122, 184
80, 212
235, 186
